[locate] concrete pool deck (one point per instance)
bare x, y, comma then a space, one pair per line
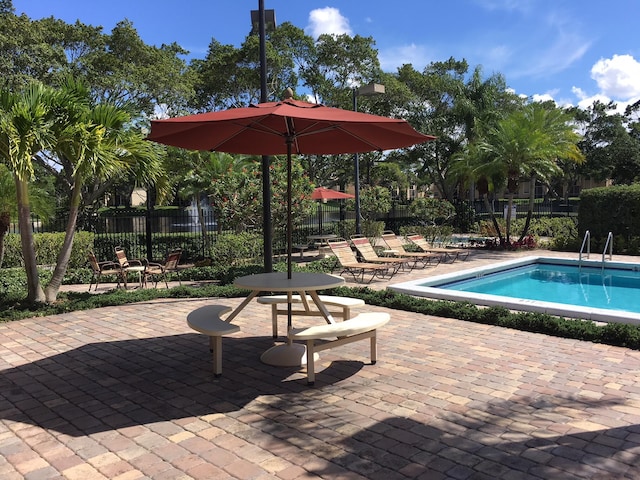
127, 393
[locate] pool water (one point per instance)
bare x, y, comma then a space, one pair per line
610, 288
557, 286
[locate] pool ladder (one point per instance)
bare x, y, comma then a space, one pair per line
586, 242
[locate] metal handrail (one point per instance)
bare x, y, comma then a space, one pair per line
610, 245
586, 240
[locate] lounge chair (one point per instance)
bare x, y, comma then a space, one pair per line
159, 270
450, 253
364, 247
104, 268
347, 260
397, 246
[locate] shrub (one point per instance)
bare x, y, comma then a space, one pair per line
48, 246
237, 248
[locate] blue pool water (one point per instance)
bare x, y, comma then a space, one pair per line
615, 289
558, 286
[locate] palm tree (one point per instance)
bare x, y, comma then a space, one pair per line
7, 198
526, 144
93, 142
471, 165
26, 121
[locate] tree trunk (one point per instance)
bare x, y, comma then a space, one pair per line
508, 220
51, 292
35, 294
485, 199
532, 201
5, 221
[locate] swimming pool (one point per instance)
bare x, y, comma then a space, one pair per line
555, 286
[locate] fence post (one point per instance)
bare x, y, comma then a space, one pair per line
148, 227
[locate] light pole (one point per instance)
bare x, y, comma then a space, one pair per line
260, 18
364, 91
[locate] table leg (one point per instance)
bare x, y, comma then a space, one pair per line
292, 354
239, 308
321, 307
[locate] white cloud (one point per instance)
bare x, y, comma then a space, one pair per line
327, 20
585, 101
544, 97
392, 58
617, 77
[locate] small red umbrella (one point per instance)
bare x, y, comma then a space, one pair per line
323, 193
286, 127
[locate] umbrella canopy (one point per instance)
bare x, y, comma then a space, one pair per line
262, 129
286, 127
322, 193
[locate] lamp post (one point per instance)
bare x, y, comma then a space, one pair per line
364, 91
259, 18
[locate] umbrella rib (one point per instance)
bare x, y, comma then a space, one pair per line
250, 126
338, 127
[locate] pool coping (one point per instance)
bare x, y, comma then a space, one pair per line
424, 288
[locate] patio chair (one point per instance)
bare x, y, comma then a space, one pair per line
366, 251
127, 265
396, 245
347, 260
450, 253
104, 268
159, 270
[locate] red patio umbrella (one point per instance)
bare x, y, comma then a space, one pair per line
323, 193
286, 127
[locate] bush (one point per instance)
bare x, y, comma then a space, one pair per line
617, 334
237, 248
48, 247
432, 233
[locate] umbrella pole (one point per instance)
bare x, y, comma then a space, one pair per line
289, 242
289, 222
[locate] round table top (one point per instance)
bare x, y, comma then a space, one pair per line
278, 281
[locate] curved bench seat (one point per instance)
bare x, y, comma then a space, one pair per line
360, 327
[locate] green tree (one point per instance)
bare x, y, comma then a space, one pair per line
526, 144
92, 142
238, 198
448, 102
611, 148
26, 128
432, 211
7, 201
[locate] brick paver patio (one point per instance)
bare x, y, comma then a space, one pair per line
127, 393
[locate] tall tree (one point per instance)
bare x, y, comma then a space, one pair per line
92, 141
451, 104
611, 143
526, 144
26, 128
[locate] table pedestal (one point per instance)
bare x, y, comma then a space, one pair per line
287, 355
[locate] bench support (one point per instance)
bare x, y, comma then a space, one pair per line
313, 349
345, 304
207, 321
358, 328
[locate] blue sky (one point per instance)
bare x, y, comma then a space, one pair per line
571, 51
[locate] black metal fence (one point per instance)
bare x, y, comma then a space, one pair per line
151, 234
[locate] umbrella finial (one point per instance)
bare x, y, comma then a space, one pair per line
288, 93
